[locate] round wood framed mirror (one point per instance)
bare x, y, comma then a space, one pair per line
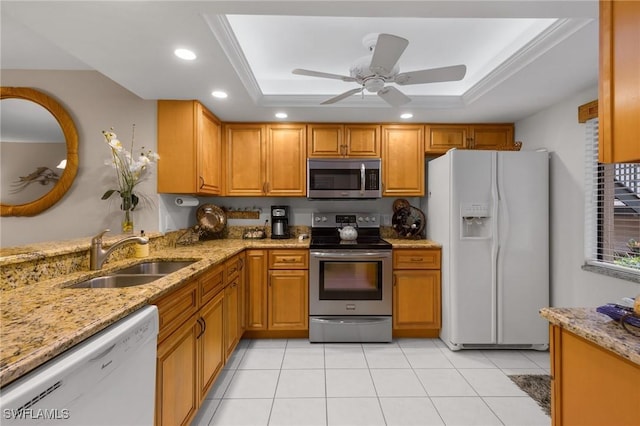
39, 180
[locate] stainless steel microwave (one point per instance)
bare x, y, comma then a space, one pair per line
344, 178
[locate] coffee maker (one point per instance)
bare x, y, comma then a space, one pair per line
279, 222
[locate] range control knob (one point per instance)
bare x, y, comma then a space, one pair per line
366, 219
373, 219
317, 218
324, 218
360, 219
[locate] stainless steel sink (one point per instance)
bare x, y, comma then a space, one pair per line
161, 267
118, 281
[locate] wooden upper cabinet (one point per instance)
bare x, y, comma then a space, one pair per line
189, 145
362, 140
343, 140
244, 159
439, 138
491, 136
442, 137
619, 97
286, 161
403, 160
265, 160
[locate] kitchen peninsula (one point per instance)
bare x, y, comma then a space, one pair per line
595, 369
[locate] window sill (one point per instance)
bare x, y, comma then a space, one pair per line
611, 272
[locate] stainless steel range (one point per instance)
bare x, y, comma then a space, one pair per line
350, 280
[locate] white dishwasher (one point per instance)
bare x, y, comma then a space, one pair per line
108, 379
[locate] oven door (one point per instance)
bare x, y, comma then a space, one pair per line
350, 282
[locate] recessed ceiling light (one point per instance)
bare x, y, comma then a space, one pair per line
281, 115
406, 115
219, 94
185, 54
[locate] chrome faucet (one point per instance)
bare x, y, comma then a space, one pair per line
98, 255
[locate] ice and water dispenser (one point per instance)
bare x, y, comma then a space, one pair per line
475, 220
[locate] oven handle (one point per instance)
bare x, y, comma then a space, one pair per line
352, 321
351, 255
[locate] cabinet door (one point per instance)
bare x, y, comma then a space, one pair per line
442, 137
286, 160
209, 153
499, 137
177, 172
256, 289
176, 376
288, 300
211, 353
231, 315
619, 88
416, 299
362, 140
403, 160
244, 160
325, 141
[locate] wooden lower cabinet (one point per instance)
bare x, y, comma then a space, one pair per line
231, 316
591, 385
416, 292
200, 326
177, 399
256, 276
278, 282
288, 300
211, 353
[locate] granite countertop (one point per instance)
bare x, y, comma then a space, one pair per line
41, 320
597, 328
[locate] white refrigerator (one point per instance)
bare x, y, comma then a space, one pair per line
490, 212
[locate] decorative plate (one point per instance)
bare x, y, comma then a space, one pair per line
211, 218
408, 222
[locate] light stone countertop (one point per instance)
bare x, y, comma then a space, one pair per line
596, 328
42, 320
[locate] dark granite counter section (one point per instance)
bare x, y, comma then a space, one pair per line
597, 328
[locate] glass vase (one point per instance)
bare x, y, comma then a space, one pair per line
127, 222
127, 207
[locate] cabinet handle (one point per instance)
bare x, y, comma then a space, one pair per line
202, 327
470, 142
288, 259
417, 259
241, 264
233, 270
264, 187
201, 182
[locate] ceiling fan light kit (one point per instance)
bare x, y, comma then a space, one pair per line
381, 67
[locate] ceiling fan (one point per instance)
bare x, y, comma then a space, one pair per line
373, 71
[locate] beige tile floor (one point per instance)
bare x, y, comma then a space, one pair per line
406, 382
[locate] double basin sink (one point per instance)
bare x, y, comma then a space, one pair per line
142, 273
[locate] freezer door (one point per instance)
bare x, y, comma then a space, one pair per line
472, 262
523, 260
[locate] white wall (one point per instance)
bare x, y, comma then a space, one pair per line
95, 103
557, 129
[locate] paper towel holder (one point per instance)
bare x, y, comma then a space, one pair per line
186, 201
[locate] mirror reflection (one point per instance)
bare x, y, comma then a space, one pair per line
32, 151
38, 151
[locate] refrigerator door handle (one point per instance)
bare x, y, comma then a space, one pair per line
495, 249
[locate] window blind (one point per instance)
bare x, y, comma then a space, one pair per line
612, 209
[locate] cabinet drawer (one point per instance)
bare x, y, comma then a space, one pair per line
211, 283
176, 307
288, 259
416, 259
232, 267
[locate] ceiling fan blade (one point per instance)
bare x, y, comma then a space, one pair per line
342, 96
433, 75
393, 96
310, 73
388, 50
